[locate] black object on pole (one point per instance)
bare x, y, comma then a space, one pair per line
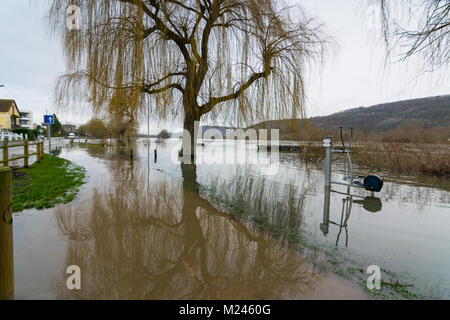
373, 183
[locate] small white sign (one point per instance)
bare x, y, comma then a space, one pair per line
74, 280
326, 143
374, 281
73, 19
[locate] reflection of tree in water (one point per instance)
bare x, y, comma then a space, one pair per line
162, 240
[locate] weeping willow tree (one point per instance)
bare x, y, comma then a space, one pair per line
419, 27
235, 60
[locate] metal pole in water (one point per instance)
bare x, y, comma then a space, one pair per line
49, 141
6, 236
328, 144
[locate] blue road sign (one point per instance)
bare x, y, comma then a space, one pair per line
49, 119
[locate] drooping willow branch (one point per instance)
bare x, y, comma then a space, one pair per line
425, 31
234, 60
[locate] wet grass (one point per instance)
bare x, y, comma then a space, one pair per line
43, 185
89, 144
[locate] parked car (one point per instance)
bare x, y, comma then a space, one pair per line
17, 136
4, 135
72, 136
10, 136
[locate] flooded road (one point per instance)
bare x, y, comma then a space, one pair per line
145, 230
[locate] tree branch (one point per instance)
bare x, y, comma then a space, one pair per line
216, 100
167, 87
159, 25
173, 74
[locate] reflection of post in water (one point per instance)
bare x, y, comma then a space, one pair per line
324, 226
148, 161
346, 210
370, 203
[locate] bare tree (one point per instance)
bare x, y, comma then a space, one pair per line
424, 30
240, 60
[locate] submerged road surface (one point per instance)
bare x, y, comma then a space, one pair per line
145, 230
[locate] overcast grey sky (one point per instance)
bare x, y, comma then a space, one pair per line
355, 75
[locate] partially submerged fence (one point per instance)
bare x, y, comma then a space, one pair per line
6, 145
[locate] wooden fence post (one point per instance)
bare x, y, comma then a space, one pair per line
5, 153
25, 153
42, 150
38, 151
6, 236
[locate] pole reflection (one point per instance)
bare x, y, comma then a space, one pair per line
369, 203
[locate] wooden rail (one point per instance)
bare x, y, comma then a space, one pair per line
26, 154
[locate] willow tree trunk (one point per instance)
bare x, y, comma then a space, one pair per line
190, 126
6, 236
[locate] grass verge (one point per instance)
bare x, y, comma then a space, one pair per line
43, 185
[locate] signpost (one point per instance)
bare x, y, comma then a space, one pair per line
49, 119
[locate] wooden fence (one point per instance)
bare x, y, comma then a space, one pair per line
26, 154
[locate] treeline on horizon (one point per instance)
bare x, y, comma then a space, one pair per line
425, 120
408, 132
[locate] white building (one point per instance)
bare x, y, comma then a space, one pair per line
26, 119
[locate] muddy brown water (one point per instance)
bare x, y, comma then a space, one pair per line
145, 230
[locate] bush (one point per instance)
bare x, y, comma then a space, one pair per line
163, 134
32, 134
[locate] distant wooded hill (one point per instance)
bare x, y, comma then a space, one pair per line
426, 112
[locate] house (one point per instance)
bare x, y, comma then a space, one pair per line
69, 128
9, 113
26, 119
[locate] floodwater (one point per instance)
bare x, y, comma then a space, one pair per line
141, 229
